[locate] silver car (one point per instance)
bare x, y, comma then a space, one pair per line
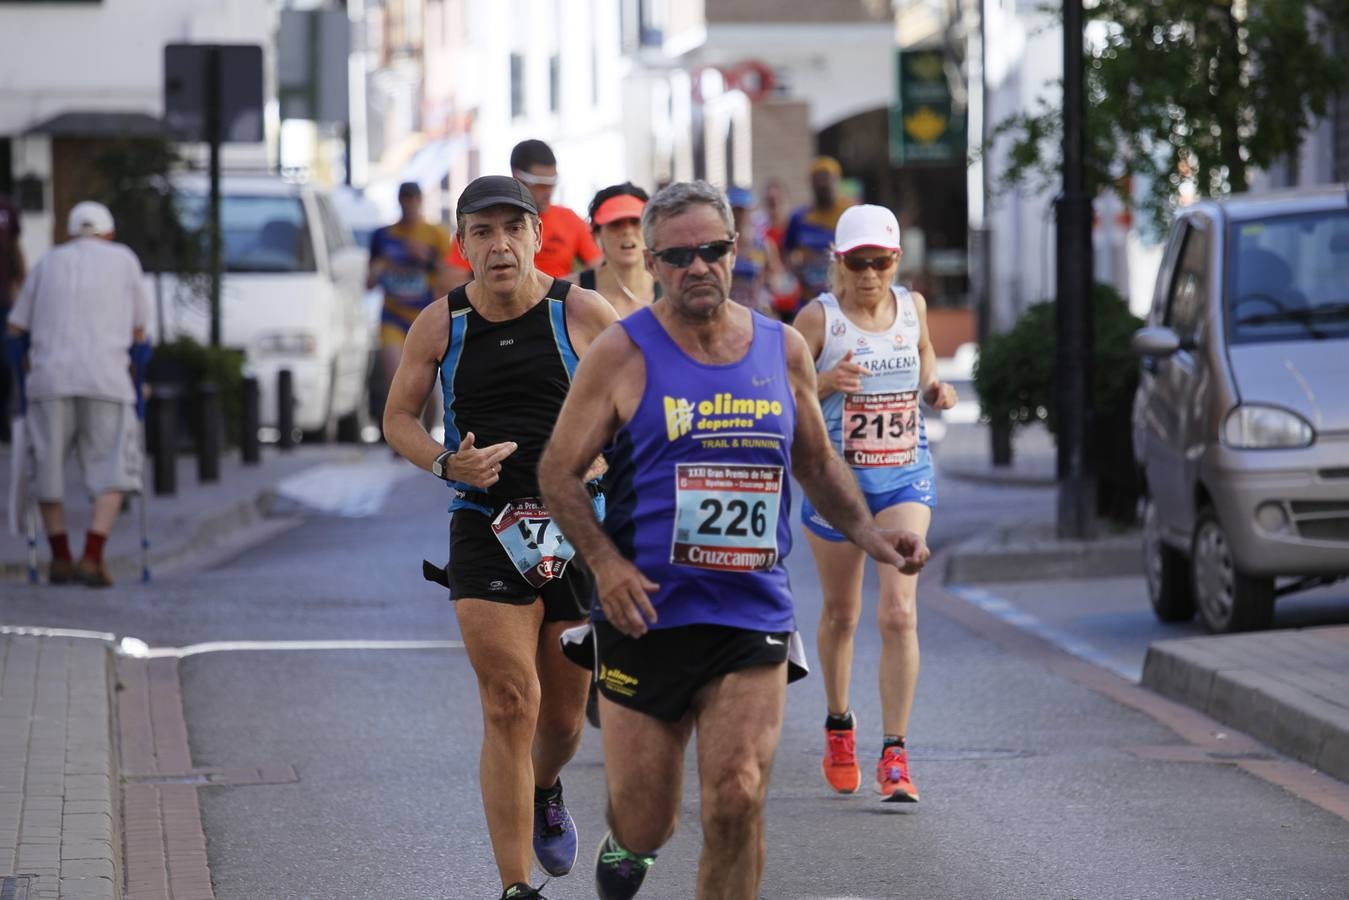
1241, 420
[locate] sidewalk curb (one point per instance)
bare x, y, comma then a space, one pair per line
1214, 676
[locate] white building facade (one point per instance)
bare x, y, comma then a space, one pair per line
72, 74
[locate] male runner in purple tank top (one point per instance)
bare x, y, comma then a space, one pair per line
709, 407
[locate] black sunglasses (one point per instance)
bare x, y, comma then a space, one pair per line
679, 257
862, 263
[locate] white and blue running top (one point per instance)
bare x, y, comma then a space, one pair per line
879, 430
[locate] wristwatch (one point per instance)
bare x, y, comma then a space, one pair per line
438, 467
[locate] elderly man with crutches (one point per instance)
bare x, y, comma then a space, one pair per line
81, 307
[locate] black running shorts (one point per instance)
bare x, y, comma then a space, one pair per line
658, 673
480, 569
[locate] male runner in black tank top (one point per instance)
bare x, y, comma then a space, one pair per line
505, 345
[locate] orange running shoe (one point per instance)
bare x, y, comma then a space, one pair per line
840, 759
892, 777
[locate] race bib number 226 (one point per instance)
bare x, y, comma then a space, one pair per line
726, 517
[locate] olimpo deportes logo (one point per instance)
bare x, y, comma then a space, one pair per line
723, 411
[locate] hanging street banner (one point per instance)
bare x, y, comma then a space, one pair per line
925, 124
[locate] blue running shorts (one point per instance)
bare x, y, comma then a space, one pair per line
923, 491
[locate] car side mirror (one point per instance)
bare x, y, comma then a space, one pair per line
1155, 343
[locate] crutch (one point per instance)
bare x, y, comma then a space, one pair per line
16, 349
30, 516
140, 358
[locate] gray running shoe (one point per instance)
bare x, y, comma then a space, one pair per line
618, 873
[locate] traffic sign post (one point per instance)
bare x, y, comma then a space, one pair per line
213, 94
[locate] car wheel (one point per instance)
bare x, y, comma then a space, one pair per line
1227, 600
1168, 572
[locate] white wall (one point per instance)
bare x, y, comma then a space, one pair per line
108, 57
58, 57
840, 70
586, 132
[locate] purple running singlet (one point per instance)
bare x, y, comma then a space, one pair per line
700, 479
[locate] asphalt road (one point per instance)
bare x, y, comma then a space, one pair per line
1028, 787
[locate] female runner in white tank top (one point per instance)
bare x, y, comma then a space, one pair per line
875, 362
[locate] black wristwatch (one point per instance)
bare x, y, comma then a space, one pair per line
438, 467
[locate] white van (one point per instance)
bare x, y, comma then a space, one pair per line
292, 295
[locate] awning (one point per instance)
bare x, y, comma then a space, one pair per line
101, 124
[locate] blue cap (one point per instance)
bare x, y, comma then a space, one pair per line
740, 197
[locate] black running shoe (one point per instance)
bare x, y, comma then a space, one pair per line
618, 873
521, 891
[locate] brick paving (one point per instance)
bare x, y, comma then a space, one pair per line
164, 839
58, 810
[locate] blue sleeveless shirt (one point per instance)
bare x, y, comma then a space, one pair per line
700, 481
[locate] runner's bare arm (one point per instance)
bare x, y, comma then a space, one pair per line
810, 322
937, 393
412, 384
828, 481
588, 313
845, 376
604, 394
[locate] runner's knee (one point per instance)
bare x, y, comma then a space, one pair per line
559, 722
731, 798
508, 700
895, 620
840, 618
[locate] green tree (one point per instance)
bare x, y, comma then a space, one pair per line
1202, 90
1015, 381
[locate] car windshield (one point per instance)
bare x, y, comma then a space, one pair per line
1288, 278
261, 233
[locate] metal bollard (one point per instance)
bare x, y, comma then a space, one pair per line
285, 409
210, 432
163, 426
1000, 442
249, 447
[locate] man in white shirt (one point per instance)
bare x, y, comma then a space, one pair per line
82, 307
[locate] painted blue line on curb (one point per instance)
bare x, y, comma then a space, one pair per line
1013, 615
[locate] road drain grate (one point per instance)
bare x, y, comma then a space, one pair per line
14, 887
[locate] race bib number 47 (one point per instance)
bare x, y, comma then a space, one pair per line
880, 430
532, 541
726, 517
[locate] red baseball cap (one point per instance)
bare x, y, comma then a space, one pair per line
621, 206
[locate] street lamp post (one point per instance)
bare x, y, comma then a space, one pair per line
1073, 363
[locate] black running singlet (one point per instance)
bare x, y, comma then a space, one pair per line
505, 381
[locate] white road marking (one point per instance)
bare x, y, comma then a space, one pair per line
37, 631
139, 649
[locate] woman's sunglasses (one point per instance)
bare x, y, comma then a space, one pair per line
862, 263
679, 257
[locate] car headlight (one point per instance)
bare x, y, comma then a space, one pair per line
1254, 427
296, 342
